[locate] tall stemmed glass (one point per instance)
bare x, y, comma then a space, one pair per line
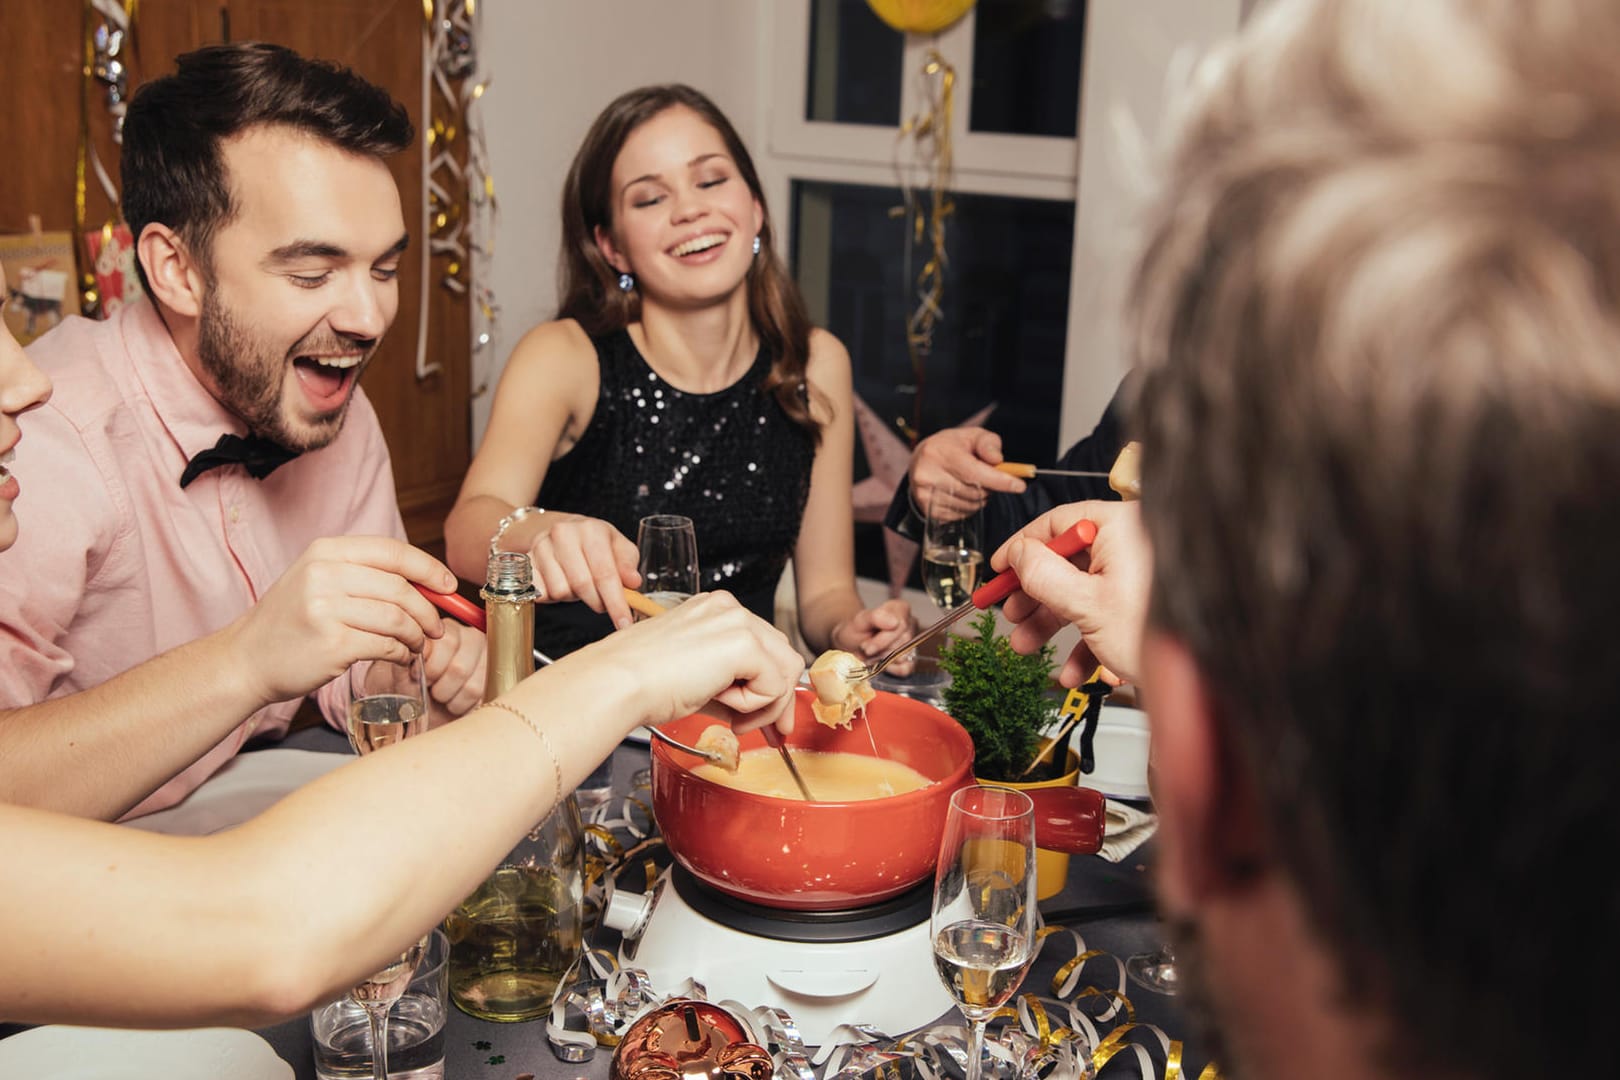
983, 922
387, 702
669, 559
952, 551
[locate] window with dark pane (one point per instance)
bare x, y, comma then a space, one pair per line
855, 63
1026, 67
1002, 336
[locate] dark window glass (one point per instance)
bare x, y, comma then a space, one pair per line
854, 65
1001, 339
1026, 67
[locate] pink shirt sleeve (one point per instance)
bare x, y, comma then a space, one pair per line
69, 556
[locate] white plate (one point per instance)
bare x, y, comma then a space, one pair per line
1121, 750
58, 1052
639, 736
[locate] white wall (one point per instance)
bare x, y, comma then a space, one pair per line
556, 64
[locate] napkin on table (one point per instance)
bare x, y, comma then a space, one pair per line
1125, 829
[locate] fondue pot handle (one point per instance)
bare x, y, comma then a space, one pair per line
1068, 819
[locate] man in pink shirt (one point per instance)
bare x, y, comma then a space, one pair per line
197, 443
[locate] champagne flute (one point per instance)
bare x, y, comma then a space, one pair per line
983, 922
387, 702
952, 553
669, 560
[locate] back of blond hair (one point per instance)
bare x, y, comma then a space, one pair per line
1378, 323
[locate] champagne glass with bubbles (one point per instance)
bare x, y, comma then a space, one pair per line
669, 559
983, 922
952, 552
387, 702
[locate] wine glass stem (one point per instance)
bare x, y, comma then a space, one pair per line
975, 1047
379, 1041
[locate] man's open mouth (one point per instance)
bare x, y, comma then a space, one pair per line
327, 379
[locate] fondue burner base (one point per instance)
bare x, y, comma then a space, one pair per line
870, 966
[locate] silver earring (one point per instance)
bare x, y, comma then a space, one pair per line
626, 283
757, 245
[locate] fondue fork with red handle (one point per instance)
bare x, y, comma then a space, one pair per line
1068, 543
464, 610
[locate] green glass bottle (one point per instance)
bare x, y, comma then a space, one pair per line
515, 940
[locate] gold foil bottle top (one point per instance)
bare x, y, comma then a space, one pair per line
510, 577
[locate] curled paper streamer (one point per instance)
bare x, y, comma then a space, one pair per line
925, 212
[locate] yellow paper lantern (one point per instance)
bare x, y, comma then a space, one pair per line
920, 16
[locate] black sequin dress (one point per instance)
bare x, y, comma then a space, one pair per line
732, 461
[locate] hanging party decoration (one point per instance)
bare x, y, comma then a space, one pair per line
458, 204
109, 35
927, 204
919, 16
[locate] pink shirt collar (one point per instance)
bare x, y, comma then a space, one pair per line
191, 415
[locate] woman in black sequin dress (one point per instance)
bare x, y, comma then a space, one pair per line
681, 377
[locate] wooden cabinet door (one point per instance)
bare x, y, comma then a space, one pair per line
427, 422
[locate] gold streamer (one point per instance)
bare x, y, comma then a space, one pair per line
930, 134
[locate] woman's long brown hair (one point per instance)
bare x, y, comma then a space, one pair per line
589, 291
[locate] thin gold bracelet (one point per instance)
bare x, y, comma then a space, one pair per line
545, 740
507, 522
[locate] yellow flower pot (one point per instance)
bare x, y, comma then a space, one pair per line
1051, 867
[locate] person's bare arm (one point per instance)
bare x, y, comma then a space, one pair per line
546, 394
104, 925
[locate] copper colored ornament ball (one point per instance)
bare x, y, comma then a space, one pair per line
689, 1040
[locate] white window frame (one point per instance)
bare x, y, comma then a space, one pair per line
1131, 49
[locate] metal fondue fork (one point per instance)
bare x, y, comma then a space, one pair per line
647, 606
1068, 543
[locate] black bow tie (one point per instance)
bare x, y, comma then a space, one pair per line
259, 456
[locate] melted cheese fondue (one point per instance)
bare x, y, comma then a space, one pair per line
830, 776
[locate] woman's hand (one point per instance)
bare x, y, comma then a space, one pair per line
1104, 592
709, 649
344, 599
584, 558
872, 633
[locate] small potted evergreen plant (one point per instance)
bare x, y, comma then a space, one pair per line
1000, 697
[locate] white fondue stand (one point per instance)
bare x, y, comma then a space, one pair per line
871, 966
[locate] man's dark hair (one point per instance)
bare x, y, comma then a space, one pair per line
1379, 326
173, 170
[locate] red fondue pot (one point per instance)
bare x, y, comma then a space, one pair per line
827, 856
